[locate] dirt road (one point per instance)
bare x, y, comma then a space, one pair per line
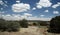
32, 30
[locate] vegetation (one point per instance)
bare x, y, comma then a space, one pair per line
8, 26
13, 26
24, 23
55, 25
44, 23
35, 24
3, 25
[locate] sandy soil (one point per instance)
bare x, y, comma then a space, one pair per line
32, 30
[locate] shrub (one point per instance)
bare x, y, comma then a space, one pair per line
3, 25
12, 26
55, 25
35, 24
9, 26
42, 23
24, 23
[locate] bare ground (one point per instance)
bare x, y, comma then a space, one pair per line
32, 30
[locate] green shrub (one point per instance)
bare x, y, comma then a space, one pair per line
12, 26
9, 26
24, 23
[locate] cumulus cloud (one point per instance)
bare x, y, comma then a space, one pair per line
33, 8
43, 3
46, 10
56, 5
55, 12
20, 7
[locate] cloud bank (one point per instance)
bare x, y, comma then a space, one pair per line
18, 17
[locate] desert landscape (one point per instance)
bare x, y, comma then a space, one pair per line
29, 17
32, 30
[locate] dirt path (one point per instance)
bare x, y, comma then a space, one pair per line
33, 30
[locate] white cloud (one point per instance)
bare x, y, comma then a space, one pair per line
44, 3
1, 2
8, 15
42, 15
20, 7
33, 8
5, 1
36, 18
45, 19
16, 16
5, 5
56, 5
59, 3
1, 8
27, 14
55, 12
20, 17
38, 6
17, 1
11, 17
46, 10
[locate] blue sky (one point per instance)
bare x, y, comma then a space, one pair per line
29, 9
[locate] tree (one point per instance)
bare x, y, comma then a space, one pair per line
55, 25
24, 23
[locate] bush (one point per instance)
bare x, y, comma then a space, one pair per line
9, 26
12, 26
55, 25
42, 23
35, 24
3, 25
24, 23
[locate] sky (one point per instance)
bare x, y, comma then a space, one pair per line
29, 9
